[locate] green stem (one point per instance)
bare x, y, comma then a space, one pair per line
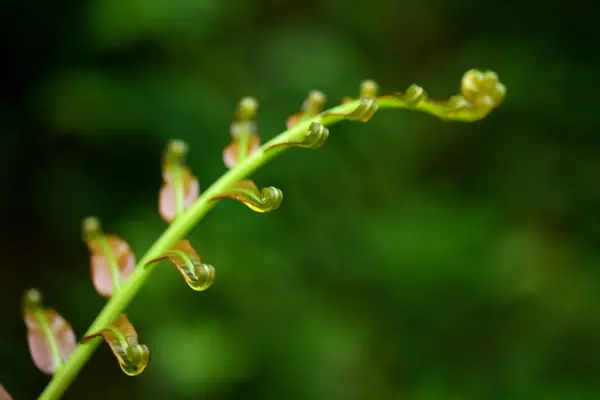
54, 349
112, 264
182, 225
178, 186
243, 147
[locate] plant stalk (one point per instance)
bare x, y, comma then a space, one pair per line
182, 225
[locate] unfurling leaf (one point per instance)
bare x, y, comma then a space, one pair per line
180, 187
4, 394
244, 140
315, 138
367, 107
50, 338
198, 276
111, 259
368, 90
311, 107
123, 341
482, 88
363, 112
480, 93
414, 95
265, 200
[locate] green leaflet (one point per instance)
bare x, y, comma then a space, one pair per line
363, 112
246, 192
199, 276
315, 138
122, 338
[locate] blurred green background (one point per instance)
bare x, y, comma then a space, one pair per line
411, 259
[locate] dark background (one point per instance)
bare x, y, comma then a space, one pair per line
411, 259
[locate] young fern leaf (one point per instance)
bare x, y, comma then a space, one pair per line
4, 395
481, 92
111, 259
311, 107
122, 338
198, 276
367, 107
180, 187
244, 140
246, 192
363, 112
414, 95
50, 337
315, 138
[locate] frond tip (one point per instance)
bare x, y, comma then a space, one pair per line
480, 93
483, 89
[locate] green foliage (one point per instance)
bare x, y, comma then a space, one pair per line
180, 205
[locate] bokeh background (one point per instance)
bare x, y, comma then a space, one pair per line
411, 259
